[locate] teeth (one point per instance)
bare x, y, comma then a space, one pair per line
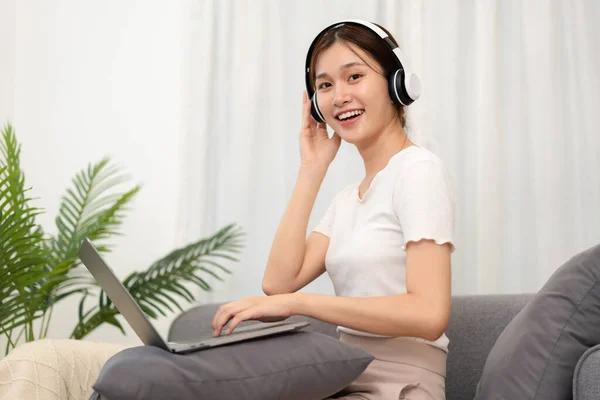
350, 114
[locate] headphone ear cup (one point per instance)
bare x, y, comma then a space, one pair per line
314, 109
397, 88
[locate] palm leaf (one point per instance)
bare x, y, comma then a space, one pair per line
14, 191
90, 209
161, 287
23, 258
38, 271
94, 318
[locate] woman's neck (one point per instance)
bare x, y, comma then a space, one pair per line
378, 153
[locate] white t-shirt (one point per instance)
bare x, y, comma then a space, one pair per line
410, 199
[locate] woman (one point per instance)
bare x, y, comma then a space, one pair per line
385, 242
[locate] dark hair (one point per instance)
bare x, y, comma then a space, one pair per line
367, 41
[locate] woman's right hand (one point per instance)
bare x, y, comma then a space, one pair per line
317, 149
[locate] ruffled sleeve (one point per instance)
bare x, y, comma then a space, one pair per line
424, 204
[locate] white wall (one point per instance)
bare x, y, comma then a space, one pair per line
7, 58
80, 80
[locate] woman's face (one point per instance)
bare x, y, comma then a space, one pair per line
344, 83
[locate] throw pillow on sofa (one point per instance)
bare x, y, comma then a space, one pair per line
292, 366
536, 354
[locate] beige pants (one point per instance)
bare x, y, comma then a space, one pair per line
402, 369
53, 369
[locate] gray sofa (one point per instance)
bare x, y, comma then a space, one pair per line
475, 324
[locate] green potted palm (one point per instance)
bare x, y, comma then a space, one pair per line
38, 270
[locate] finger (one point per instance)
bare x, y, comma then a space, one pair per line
336, 138
221, 322
305, 111
230, 312
238, 319
223, 315
217, 317
322, 130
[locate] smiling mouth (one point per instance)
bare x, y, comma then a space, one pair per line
350, 119
349, 115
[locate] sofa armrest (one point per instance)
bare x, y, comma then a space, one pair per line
586, 379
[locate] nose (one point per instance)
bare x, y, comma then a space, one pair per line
341, 97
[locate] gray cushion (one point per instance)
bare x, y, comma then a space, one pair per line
586, 382
475, 324
293, 366
535, 356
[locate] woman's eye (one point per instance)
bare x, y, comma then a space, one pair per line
327, 84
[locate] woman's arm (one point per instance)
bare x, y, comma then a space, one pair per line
294, 261
422, 312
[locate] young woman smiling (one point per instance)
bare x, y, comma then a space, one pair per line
385, 242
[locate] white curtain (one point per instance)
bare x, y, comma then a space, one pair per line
511, 103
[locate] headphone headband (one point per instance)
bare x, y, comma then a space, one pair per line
400, 56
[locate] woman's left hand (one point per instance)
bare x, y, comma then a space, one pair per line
265, 309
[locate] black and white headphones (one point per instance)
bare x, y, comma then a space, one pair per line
403, 85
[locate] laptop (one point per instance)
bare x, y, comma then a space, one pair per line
144, 329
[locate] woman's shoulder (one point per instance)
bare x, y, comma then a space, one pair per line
416, 157
418, 154
419, 168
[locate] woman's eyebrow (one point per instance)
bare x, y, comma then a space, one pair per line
345, 66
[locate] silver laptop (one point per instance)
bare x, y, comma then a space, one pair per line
136, 318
